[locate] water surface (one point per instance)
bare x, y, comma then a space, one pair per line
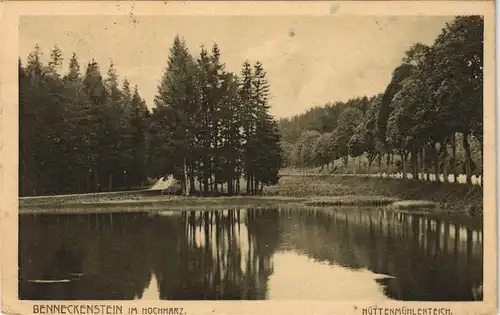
330, 254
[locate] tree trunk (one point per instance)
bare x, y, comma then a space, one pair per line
88, 182
454, 157
403, 160
110, 187
345, 160
185, 178
96, 179
206, 173
413, 163
388, 159
467, 158
126, 180
482, 164
445, 161
436, 162
183, 185
354, 165
417, 165
192, 181
251, 184
424, 165
216, 185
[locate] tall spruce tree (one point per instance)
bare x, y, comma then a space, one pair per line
205, 152
178, 105
95, 92
248, 122
138, 122
230, 134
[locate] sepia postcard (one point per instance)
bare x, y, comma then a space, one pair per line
253, 157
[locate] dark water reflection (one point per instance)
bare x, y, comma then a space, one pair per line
349, 254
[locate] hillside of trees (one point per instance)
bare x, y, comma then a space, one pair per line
87, 133
429, 119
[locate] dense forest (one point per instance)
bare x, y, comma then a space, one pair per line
429, 119
86, 133
78, 133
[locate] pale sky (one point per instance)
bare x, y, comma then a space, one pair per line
309, 60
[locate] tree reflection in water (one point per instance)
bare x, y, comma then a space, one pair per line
228, 254
428, 258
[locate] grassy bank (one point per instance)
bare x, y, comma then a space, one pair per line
123, 203
449, 197
136, 203
325, 190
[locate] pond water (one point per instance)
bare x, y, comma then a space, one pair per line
279, 254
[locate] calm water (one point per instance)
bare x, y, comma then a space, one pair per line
349, 254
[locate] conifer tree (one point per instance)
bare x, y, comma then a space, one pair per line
138, 122
95, 92
247, 119
177, 104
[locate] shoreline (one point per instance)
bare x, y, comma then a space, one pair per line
198, 203
154, 205
292, 191
162, 207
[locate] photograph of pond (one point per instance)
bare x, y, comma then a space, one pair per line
259, 157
